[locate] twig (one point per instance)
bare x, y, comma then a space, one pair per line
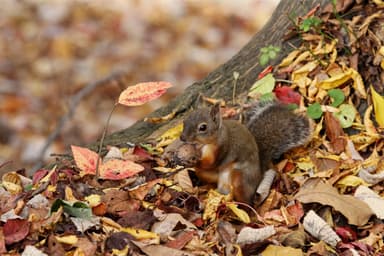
74, 102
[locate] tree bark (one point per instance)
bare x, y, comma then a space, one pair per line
220, 82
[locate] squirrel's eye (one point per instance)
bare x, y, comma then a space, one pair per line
202, 127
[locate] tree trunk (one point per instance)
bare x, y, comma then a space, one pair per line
220, 82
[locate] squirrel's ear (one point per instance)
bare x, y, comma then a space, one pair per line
200, 100
215, 113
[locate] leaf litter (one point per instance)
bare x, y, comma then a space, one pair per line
326, 198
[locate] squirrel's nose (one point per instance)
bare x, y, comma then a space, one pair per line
182, 137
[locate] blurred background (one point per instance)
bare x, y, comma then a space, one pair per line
50, 50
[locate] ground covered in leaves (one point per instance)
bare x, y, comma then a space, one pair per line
327, 198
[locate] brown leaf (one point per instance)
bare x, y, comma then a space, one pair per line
315, 191
335, 133
181, 240
118, 202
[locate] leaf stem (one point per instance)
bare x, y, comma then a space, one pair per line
102, 141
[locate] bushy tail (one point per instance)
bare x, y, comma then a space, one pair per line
276, 129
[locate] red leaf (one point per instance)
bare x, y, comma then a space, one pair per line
265, 72
296, 210
38, 175
346, 233
15, 230
85, 159
2, 242
116, 169
142, 93
288, 96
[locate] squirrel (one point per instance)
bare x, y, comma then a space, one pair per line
235, 155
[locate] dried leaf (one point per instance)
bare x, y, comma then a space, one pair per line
273, 250
378, 104
15, 230
249, 235
375, 201
241, 214
315, 191
70, 239
142, 93
318, 228
335, 133
141, 234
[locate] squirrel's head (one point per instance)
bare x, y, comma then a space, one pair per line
202, 125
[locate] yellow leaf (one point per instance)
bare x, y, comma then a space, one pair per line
48, 176
369, 126
336, 80
93, 200
378, 104
122, 252
241, 214
350, 181
141, 233
69, 195
380, 3
170, 135
273, 250
212, 203
289, 59
70, 239
12, 188
340, 78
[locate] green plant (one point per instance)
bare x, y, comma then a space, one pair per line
268, 53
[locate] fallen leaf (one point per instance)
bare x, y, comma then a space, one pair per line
116, 169
262, 86
315, 191
15, 230
70, 239
320, 229
346, 115
248, 235
161, 250
141, 93
378, 104
375, 201
287, 95
167, 224
241, 214
273, 250
335, 133
86, 160
31, 250
141, 234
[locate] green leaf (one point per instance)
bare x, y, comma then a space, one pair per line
314, 111
28, 187
308, 23
337, 96
346, 115
77, 209
263, 86
267, 96
264, 58
272, 54
292, 106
